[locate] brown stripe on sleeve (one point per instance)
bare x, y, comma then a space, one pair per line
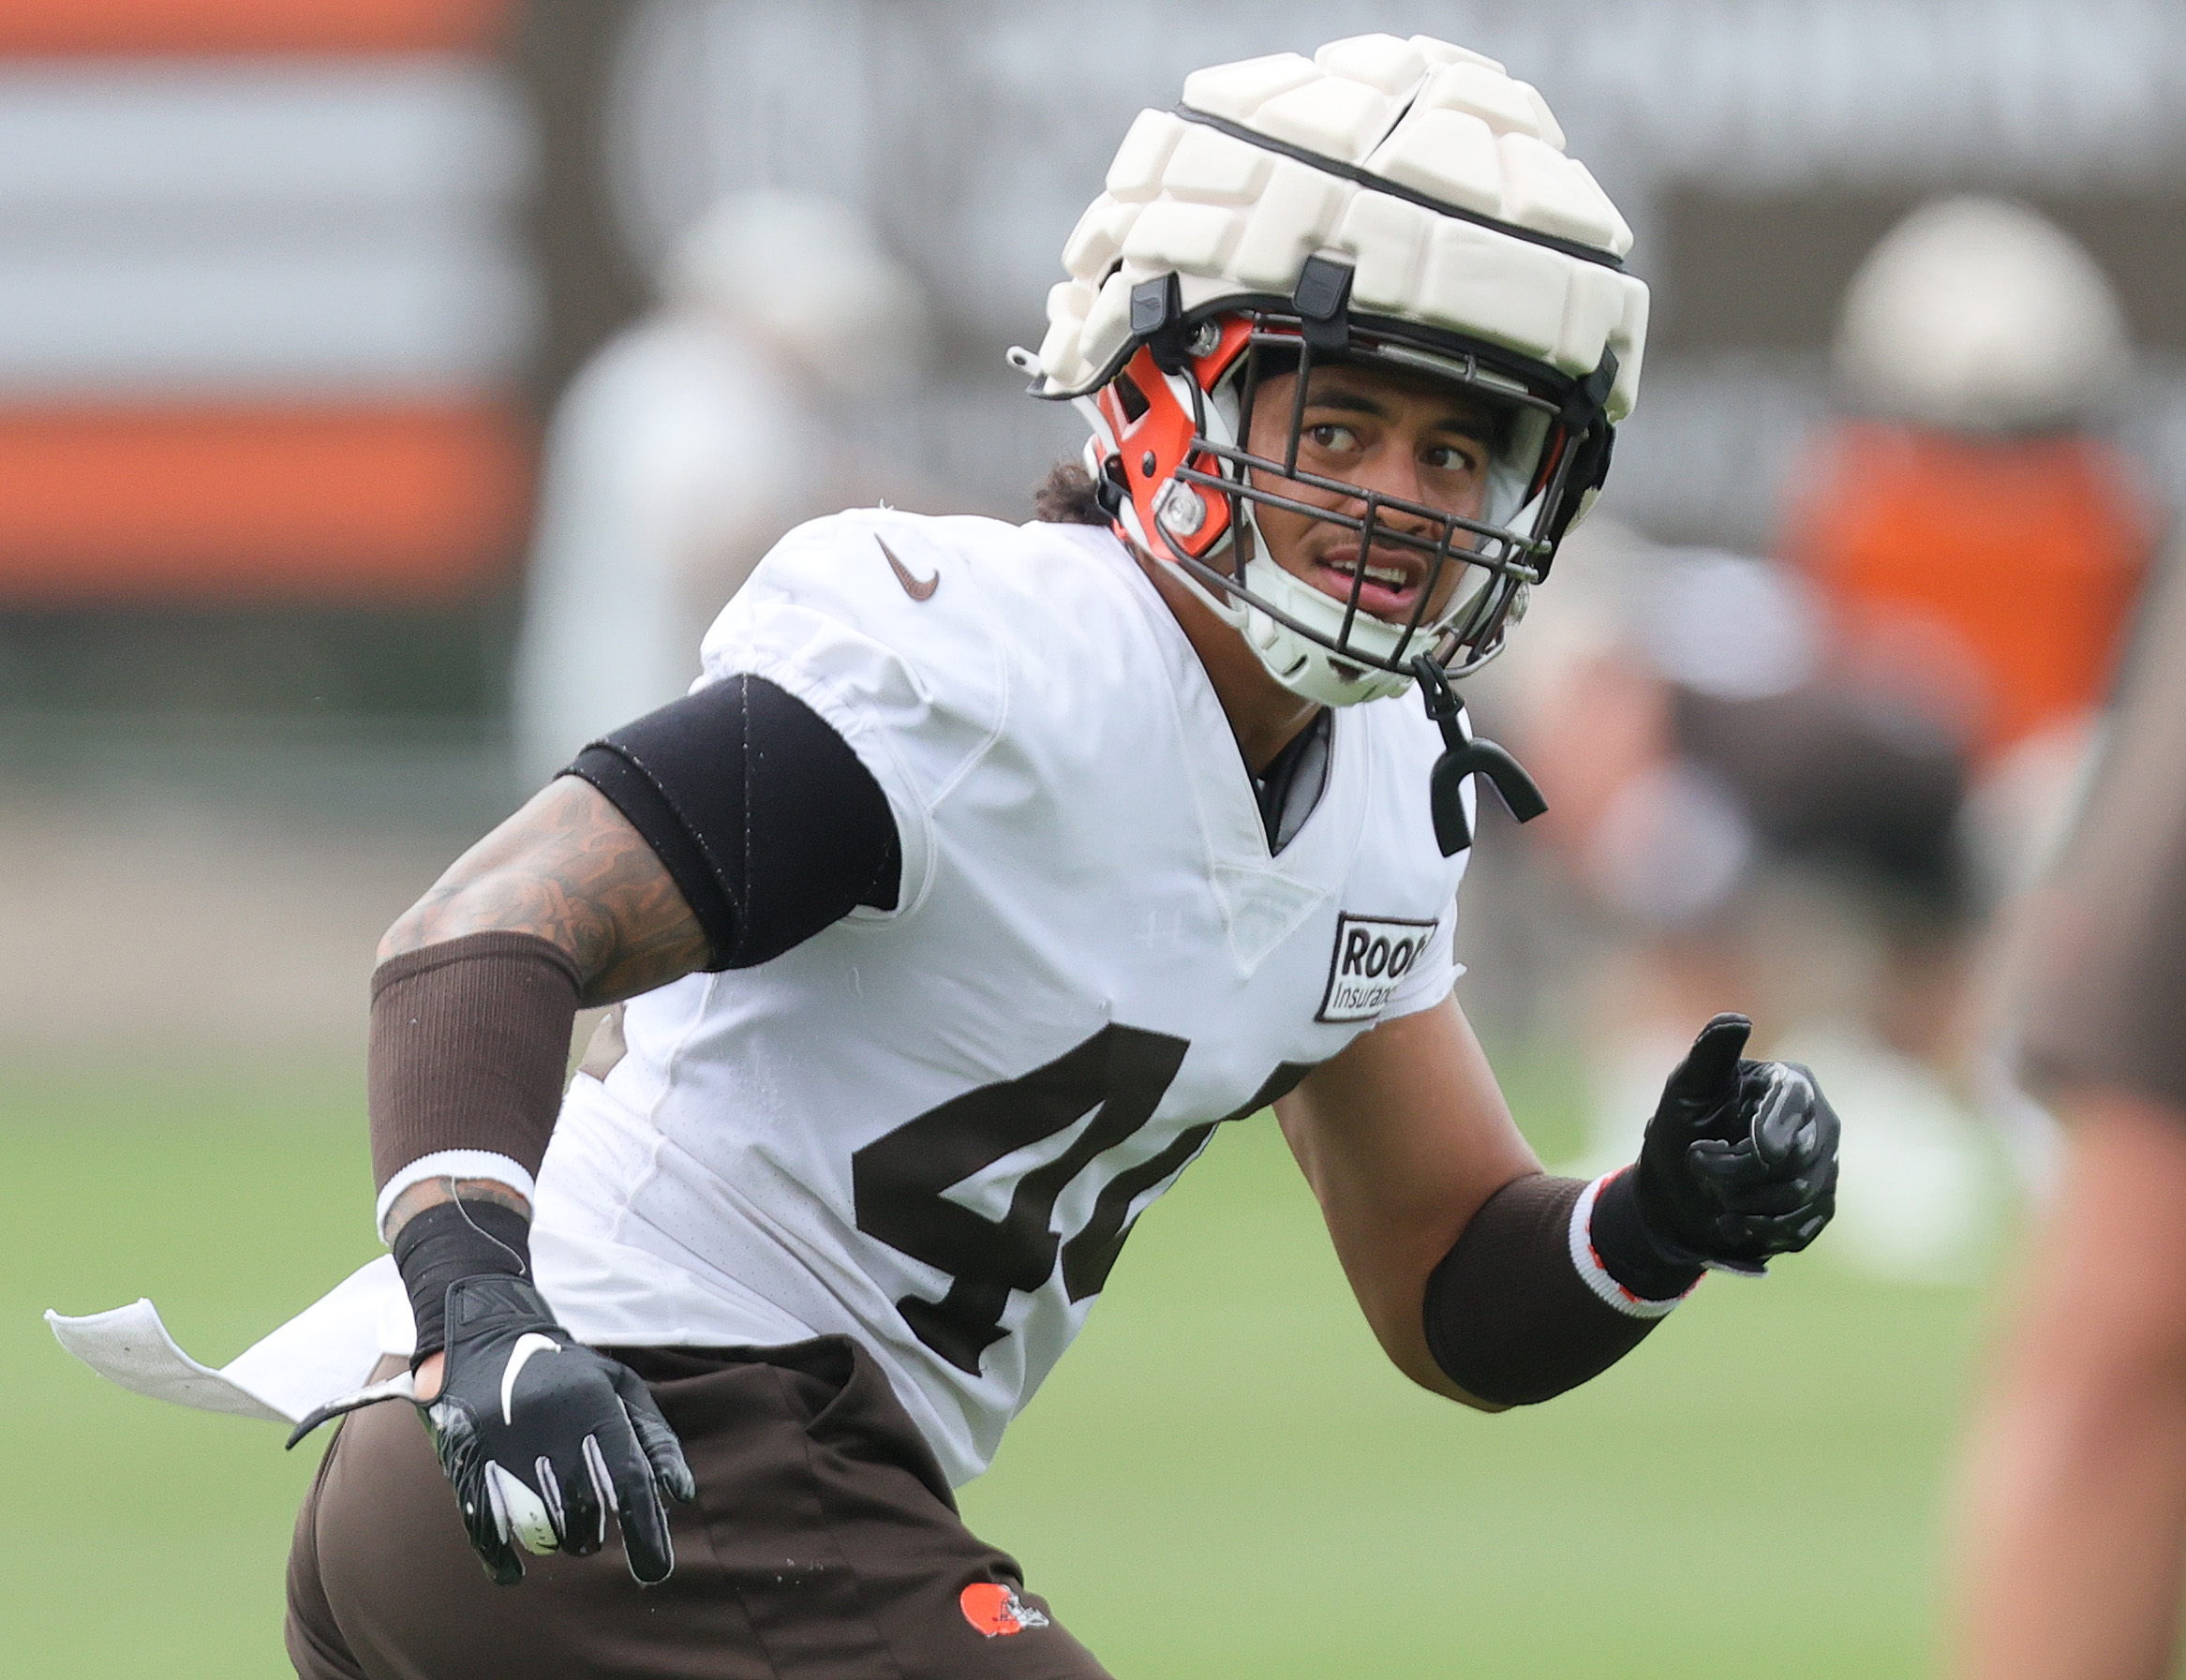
1507, 1317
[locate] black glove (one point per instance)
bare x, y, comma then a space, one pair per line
544, 1438
1739, 1164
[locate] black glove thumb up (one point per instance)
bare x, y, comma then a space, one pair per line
1700, 1096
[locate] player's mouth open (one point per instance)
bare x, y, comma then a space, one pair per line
1392, 580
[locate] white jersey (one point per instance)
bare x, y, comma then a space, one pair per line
931, 1128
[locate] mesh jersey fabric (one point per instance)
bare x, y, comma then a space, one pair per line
930, 1128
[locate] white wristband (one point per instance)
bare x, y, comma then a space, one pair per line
1589, 1264
453, 1163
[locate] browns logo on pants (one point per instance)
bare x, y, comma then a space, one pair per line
823, 1542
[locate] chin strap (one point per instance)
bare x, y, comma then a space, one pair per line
1465, 755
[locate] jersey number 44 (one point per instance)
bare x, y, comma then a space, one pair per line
1119, 1076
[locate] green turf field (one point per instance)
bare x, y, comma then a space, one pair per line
1223, 1480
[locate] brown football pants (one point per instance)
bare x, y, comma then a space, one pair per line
824, 1543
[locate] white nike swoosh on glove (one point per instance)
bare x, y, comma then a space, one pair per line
530, 1343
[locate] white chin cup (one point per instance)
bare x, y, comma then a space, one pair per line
1300, 663
1309, 666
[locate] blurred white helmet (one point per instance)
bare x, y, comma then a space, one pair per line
807, 276
1977, 314
1399, 203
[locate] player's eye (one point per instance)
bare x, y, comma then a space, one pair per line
1333, 438
1451, 458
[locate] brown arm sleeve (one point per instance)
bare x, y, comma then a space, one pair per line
2104, 986
1507, 1316
468, 1045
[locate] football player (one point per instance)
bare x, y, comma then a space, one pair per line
987, 871
2072, 1505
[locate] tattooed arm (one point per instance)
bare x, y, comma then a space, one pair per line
570, 902
570, 870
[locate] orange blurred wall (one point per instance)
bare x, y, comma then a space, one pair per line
332, 505
237, 27
296, 497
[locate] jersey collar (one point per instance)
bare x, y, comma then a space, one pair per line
1265, 897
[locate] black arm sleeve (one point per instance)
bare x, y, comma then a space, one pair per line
760, 811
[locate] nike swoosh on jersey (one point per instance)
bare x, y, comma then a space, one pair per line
917, 588
530, 1343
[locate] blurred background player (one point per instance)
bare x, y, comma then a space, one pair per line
1826, 774
691, 442
2072, 1518
1978, 540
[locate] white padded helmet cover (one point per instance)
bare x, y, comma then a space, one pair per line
1232, 218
